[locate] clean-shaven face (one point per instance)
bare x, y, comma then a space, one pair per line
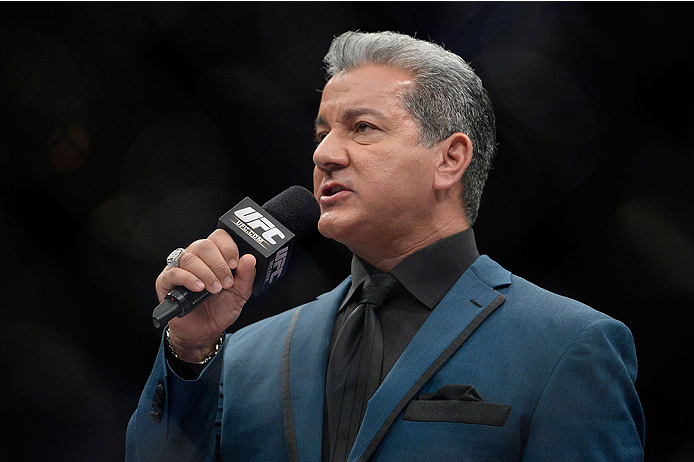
372, 178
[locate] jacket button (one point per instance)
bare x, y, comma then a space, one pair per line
158, 403
160, 394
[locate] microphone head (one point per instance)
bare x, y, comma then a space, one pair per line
296, 208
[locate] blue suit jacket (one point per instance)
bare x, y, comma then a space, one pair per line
556, 378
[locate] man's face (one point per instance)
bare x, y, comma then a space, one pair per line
372, 178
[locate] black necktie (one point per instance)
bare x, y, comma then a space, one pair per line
354, 368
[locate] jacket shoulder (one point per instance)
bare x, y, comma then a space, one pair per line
531, 301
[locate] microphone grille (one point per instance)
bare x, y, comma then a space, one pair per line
295, 208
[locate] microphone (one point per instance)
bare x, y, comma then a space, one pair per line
267, 232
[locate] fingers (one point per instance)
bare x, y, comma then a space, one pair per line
172, 277
226, 246
205, 261
207, 264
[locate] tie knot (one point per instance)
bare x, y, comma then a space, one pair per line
377, 287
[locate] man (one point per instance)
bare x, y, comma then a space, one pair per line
457, 360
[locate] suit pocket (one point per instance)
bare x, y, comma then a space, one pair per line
470, 412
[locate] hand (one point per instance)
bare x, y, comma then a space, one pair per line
208, 265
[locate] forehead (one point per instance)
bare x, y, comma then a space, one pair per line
376, 86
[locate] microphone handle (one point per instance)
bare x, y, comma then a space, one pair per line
179, 302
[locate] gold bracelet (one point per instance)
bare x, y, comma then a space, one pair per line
209, 357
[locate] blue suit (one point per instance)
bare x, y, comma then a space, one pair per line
555, 378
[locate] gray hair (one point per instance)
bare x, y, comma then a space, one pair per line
448, 97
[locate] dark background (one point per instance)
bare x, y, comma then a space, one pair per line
128, 128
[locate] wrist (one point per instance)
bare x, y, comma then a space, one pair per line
196, 354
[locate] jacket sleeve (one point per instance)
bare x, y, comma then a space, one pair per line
175, 418
589, 409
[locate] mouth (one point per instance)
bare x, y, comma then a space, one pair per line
333, 190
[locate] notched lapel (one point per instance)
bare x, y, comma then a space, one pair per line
453, 320
303, 374
489, 271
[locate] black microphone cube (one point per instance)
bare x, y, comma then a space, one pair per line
257, 232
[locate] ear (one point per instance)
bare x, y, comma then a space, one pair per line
454, 157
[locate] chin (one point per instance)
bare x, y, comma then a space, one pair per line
327, 228
335, 228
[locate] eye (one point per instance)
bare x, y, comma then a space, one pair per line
319, 136
362, 127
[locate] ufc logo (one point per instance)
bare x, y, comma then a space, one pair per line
278, 264
256, 220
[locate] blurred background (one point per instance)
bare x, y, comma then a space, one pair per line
127, 129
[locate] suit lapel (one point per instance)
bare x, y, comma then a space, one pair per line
304, 363
454, 319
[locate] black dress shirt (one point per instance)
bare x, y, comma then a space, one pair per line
426, 276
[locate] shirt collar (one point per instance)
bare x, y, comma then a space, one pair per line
429, 273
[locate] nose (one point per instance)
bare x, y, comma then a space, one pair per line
330, 154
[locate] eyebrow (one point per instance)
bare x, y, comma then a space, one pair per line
349, 115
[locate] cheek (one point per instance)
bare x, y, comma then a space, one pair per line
406, 188
405, 176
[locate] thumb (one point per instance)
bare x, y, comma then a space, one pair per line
243, 281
